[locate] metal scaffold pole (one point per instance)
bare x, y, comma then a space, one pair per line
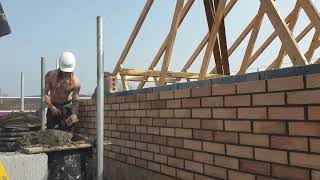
100, 97
43, 110
22, 92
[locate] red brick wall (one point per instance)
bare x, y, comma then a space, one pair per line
252, 130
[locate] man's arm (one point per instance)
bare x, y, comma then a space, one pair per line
75, 98
46, 90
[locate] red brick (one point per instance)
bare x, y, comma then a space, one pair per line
141, 146
304, 97
224, 113
124, 106
194, 166
200, 177
240, 100
159, 122
166, 113
268, 99
315, 175
314, 112
212, 124
305, 160
174, 122
289, 143
134, 105
252, 113
313, 80
271, 155
154, 148
227, 162
202, 91
192, 144
145, 105
240, 151
185, 175
191, 123
287, 172
288, 83
255, 167
153, 130
201, 113
186, 133
254, 140
175, 162
184, 153
141, 97
239, 126
189, 103
182, 93
251, 87
226, 137
168, 170
215, 171
160, 140
146, 138
146, 121
175, 142
269, 127
236, 175
266, 178
154, 166
167, 131
142, 163
140, 113
170, 151
176, 103
147, 155
160, 104
130, 98
286, 113
182, 113
216, 148
315, 145
212, 102
304, 129
161, 158
166, 95
223, 89
203, 157
202, 134
153, 96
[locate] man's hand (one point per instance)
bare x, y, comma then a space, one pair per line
55, 111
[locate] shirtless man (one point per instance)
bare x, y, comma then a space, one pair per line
62, 94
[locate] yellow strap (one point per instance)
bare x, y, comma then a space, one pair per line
3, 173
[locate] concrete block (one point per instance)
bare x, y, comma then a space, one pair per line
25, 166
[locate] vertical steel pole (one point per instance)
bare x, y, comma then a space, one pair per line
43, 110
100, 97
22, 92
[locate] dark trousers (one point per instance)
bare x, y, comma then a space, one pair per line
59, 120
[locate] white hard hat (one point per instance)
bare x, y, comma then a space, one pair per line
67, 62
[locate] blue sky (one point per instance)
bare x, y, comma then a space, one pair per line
46, 28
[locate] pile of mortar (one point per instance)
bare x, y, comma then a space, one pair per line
51, 138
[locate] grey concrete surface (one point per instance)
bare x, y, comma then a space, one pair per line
25, 167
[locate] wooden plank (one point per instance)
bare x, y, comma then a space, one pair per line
284, 33
301, 35
41, 149
212, 38
160, 52
311, 12
292, 24
171, 40
252, 41
210, 13
315, 43
133, 35
271, 38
